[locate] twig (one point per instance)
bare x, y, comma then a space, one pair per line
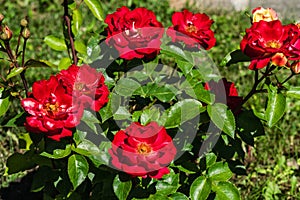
68, 24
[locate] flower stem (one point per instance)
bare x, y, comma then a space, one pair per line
70, 35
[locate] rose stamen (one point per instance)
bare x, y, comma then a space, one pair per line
52, 108
273, 44
144, 148
191, 29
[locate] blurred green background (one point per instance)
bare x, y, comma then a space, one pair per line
272, 164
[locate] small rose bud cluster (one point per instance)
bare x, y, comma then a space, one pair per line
24, 27
5, 32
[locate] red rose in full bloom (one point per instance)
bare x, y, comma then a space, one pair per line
192, 29
51, 110
143, 150
86, 86
230, 97
135, 34
271, 41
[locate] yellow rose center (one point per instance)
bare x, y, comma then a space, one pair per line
273, 44
53, 108
191, 29
144, 148
78, 86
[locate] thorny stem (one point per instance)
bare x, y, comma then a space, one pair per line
68, 24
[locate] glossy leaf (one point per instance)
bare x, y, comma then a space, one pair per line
200, 188
96, 8
36, 63
78, 168
58, 153
55, 43
80, 47
226, 191
222, 117
234, 57
15, 71
294, 92
121, 188
4, 105
18, 162
219, 172
64, 63
90, 120
148, 115
126, 87
168, 185
76, 21
182, 111
275, 107
178, 196
210, 159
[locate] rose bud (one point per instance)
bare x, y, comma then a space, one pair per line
24, 22
6, 34
26, 33
279, 59
264, 14
1, 18
296, 67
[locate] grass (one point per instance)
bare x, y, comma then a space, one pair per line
273, 163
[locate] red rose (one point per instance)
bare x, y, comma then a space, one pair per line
135, 34
230, 97
143, 150
86, 85
51, 110
266, 39
192, 29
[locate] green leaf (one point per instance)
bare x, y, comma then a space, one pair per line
234, 57
148, 115
162, 93
226, 191
90, 120
64, 63
4, 105
126, 87
182, 111
249, 126
14, 72
19, 162
200, 188
168, 184
90, 150
58, 153
96, 8
121, 188
210, 159
275, 107
76, 21
80, 47
78, 168
121, 114
222, 117
219, 172
176, 52
36, 63
178, 196
294, 92
55, 43
106, 111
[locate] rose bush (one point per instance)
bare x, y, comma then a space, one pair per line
157, 122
